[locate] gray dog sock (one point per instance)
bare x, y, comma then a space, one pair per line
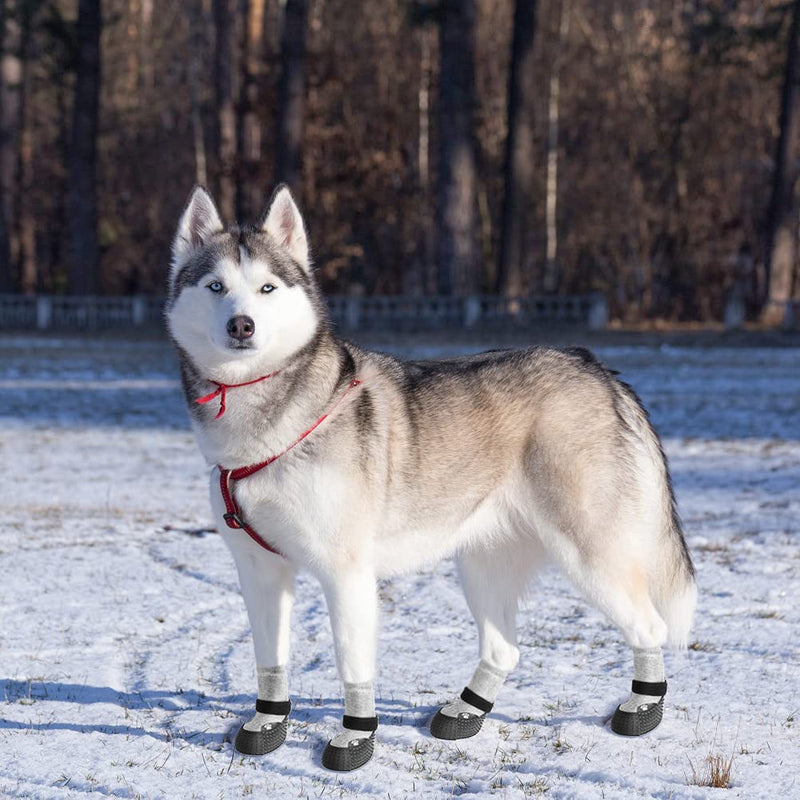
273, 684
648, 665
359, 701
486, 683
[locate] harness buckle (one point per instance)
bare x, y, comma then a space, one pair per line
233, 520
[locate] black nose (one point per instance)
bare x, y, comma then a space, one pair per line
241, 328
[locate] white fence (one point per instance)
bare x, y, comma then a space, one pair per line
46, 312
400, 312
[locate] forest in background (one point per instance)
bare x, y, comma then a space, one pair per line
646, 149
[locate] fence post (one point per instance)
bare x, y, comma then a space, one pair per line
788, 315
734, 309
352, 312
598, 312
138, 311
44, 313
472, 311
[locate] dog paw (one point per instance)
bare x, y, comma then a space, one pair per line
443, 726
262, 741
646, 718
350, 755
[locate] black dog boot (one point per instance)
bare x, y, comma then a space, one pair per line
353, 747
266, 731
461, 719
643, 712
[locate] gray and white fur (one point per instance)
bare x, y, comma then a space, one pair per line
503, 460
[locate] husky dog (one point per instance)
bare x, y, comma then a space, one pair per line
354, 465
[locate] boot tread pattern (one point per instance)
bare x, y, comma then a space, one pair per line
345, 759
635, 723
461, 727
261, 742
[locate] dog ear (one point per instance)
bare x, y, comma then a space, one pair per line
199, 221
284, 223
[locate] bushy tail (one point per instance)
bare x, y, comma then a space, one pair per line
677, 609
675, 590
673, 587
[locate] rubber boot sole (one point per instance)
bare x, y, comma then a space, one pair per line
450, 728
259, 743
639, 722
346, 759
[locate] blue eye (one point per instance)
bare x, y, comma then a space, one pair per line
267, 288
215, 286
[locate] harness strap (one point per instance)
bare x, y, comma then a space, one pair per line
223, 387
233, 517
352, 723
647, 688
280, 708
232, 514
474, 699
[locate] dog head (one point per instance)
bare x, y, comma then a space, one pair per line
242, 301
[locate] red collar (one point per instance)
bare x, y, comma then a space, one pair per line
223, 387
233, 517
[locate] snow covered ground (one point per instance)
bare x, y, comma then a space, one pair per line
125, 658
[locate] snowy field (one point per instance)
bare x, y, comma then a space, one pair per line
125, 655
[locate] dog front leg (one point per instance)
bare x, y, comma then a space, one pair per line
267, 583
353, 608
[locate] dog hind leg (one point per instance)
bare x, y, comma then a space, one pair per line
493, 583
644, 709
629, 604
619, 587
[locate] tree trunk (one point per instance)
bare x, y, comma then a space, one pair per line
781, 233
424, 111
291, 96
146, 77
52, 271
198, 44
249, 197
224, 19
84, 253
423, 278
516, 245
6, 280
10, 78
550, 277
26, 230
457, 245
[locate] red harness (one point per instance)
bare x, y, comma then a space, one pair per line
233, 517
223, 387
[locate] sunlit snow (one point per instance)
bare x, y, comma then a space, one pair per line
125, 656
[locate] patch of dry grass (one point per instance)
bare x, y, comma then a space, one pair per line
715, 771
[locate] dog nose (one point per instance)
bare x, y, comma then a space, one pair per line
241, 328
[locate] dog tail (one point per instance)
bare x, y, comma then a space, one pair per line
672, 576
678, 609
676, 592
